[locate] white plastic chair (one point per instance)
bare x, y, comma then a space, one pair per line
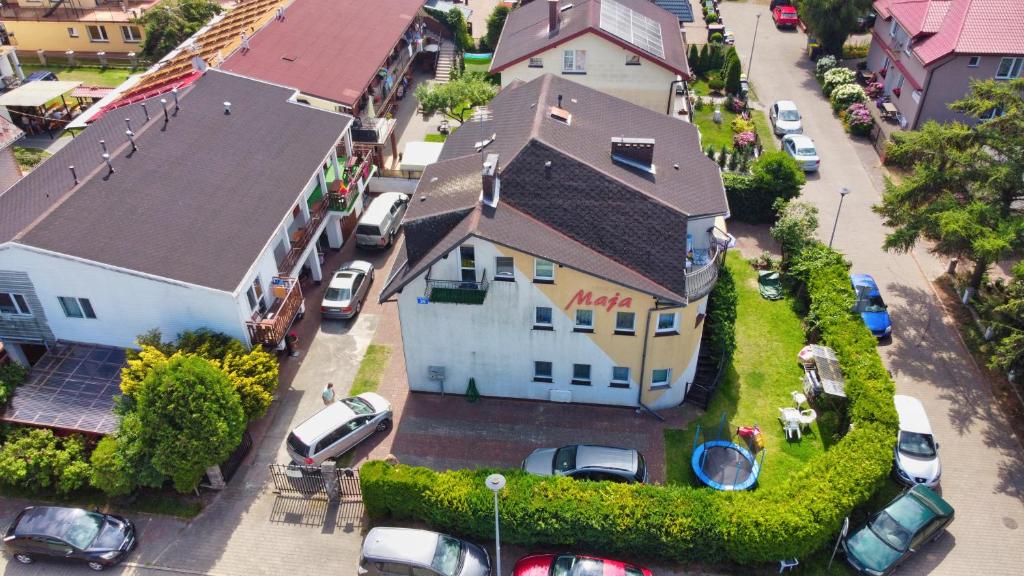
790, 418
799, 398
807, 417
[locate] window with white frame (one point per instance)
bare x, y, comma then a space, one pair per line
131, 34
72, 32
899, 81
625, 322
255, 296
581, 374
974, 62
1009, 68
892, 28
543, 271
542, 317
543, 372
574, 61
97, 33
504, 268
906, 46
76, 307
668, 323
536, 62
584, 320
661, 378
620, 377
14, 303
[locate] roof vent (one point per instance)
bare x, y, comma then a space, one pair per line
227, 108
554, 16
634, 152
561, 114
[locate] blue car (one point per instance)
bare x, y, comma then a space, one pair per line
870, 306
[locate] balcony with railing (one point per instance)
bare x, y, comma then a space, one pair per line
303, 235
457, 291
702, 267
271, 326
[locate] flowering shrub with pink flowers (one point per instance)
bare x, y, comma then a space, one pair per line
858, 119
743, 140
874, 90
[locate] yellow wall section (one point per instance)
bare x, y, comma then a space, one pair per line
53, 36
646, 85
673, 352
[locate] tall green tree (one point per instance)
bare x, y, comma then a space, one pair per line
495, 24
703, 60
455, 99
732, 73
191, 418
832, 21
172, 22
694, 59
1008, 323
965, 184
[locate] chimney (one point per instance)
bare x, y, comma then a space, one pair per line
490, 181
554, 15
634, 152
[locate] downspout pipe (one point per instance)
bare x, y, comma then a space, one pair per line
671, 92
643, 361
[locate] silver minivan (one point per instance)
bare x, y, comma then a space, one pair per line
411, 552
338, 428
379, 225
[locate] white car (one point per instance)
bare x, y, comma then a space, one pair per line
347, 291
802, 149
785, 118
916, 452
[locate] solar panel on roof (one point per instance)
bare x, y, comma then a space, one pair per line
631, 26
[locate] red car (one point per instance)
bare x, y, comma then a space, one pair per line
572, 565
785, 17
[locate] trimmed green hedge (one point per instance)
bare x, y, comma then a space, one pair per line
678, 522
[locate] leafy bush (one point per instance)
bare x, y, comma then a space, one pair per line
741, 124
704, 60
721, 315
774, 176
693, 58
111, 473
853, 51
795, 227
191, 418
874, 89
823, 65
837, 77
12, 375
254, 375
857, 119
454, 21
715, 82
847, 95
711, 18
743, 140
716, 38
36, 460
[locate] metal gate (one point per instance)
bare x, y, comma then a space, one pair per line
313, 482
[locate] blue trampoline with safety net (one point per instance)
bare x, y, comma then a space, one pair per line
722, 463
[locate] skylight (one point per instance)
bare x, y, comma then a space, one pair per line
631, 26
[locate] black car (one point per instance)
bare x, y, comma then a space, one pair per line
100, 540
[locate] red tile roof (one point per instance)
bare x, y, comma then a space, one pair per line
329, 49
942, 27
526, 32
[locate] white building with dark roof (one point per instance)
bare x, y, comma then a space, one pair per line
568, 257
176, 214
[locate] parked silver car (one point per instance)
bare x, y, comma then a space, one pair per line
405, 551
347, 291
338, 428
597, 463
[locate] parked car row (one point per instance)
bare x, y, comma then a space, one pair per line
787, 122
410, 552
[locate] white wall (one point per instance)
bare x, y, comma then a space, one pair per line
495, 343
126, 305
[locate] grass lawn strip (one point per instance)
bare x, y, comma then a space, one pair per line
764, 130
758, 382
87, 75
371, 369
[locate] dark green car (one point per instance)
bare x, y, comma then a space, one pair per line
917, 516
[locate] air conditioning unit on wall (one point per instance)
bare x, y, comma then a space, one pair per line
564, 396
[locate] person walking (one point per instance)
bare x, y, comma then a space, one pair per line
328, 394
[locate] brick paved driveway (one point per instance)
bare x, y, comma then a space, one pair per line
983, 468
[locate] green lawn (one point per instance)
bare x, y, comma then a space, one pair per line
764, 130
699, 86
478, 65
712, 134
29, 158
757, 383
435, 137
87, 75
371, 369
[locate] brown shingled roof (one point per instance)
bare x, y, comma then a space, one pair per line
562, 197
526, 34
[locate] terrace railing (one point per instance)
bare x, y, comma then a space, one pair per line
458, 291
271, 326
317, 213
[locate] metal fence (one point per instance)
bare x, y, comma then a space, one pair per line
316, 482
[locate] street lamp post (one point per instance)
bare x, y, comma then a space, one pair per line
496, 482
750, 60
842, 194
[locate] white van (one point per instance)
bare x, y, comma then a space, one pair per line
379, 224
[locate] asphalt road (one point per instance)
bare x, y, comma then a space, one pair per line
983, 468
